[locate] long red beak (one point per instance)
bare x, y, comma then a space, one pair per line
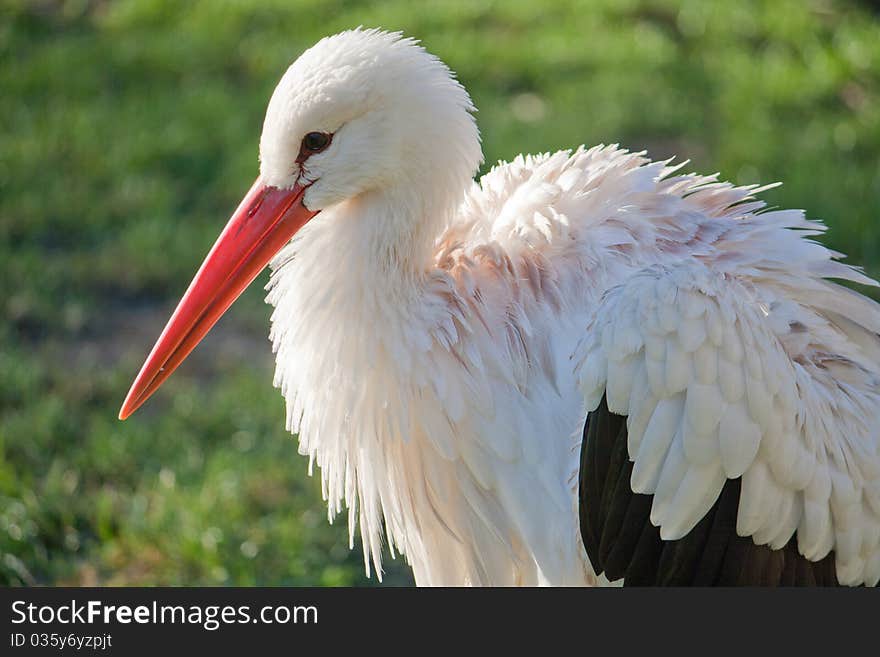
263, 223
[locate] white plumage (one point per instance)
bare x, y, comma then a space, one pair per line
439, 342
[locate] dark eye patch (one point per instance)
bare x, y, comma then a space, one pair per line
314, 142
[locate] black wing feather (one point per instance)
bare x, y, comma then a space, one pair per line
621, 541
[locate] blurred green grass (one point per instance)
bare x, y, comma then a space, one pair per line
129, 132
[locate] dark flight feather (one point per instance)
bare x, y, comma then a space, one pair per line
621, 541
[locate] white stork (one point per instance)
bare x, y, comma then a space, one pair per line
441, 342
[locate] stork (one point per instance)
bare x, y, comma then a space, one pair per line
587, 367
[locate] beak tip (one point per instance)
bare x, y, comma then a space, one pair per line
128, 407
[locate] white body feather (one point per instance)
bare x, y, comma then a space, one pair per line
438, 358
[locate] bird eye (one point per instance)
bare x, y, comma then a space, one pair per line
315, 142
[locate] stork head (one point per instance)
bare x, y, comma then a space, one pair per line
367, 110
361, 113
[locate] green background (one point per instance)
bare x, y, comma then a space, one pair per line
128, 133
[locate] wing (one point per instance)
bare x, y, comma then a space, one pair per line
734, 435
748, 381
623, 543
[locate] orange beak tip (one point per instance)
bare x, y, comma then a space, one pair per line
128, 406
